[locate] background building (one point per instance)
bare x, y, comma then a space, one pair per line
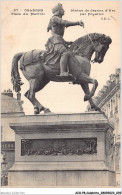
11, 108
108, 99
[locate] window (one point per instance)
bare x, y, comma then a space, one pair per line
1, 133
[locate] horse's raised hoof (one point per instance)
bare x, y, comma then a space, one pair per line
95, 108
36, 110
47, 110
86, 97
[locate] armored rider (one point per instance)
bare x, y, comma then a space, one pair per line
57, 26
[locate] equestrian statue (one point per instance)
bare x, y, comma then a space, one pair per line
61, 61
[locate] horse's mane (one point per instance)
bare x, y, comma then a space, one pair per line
82, 41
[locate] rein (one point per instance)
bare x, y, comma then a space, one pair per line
90, 39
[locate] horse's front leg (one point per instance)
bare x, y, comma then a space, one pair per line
83, 78
86, 90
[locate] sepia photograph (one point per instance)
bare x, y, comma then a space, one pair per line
60, 95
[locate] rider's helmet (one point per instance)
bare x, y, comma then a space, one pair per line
58, 9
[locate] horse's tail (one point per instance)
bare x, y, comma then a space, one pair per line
15, 76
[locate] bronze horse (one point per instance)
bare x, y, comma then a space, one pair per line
40, 74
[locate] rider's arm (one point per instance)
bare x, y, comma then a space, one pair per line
68, 23
65, 22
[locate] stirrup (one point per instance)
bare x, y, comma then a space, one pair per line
65, 74
65, 78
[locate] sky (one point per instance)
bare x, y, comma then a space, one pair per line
22, 33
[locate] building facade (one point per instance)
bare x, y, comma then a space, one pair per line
108, 99
11, 108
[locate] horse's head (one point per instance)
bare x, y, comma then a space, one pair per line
88, 44
101, 47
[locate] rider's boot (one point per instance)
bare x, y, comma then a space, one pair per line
63, 66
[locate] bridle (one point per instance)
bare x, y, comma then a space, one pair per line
90, 39
96, 49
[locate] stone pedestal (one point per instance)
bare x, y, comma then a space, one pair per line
63, 150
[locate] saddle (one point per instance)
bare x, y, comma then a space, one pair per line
29, 58
51, 63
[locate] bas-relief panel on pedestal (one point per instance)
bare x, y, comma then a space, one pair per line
54, 147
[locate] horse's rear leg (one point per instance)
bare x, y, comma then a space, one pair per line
36, 85
83, 78
86, 90
37, 106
